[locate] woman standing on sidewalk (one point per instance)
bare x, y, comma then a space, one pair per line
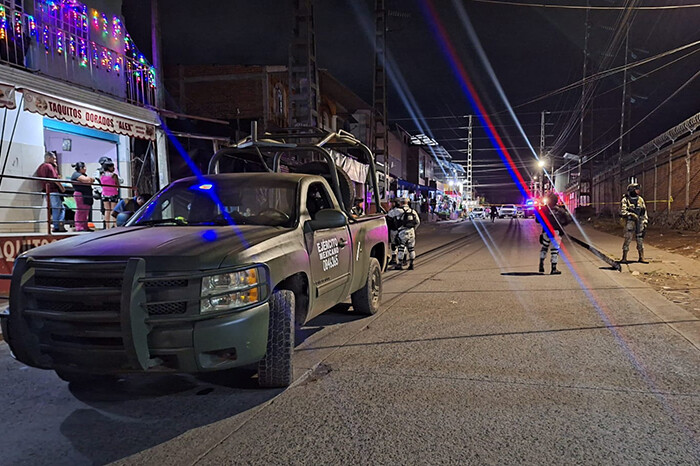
110, 191
83, 196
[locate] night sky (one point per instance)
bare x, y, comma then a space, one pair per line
533, 51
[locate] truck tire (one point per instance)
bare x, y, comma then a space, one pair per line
367, 299
275, 369
347, 188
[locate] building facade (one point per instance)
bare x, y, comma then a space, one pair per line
72, 82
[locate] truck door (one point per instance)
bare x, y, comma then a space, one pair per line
330, 253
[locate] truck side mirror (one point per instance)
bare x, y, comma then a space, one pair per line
327, 218
123, 217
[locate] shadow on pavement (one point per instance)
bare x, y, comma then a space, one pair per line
520, 274
141, 411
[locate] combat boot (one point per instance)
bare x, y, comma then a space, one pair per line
624, 257
410, 265
541, 265
399, 266
554, 270
641, 257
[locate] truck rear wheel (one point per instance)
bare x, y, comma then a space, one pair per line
366, 300
275, 369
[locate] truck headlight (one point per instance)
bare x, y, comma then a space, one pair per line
232, 290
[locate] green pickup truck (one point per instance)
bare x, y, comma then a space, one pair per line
214, 272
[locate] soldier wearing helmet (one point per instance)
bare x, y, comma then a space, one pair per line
405, 220
553, 219
634, 214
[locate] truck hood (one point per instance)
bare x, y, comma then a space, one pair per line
169, 247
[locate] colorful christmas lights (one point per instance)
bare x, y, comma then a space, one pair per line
3, 23
59, 42
18, 24
47, 39
116, 27
63, 27
83, 53
32, 27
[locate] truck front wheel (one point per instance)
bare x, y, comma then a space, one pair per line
275, 369
366, 300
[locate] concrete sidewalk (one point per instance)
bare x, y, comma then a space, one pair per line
673, 275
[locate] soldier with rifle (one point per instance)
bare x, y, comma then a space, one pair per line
634, 213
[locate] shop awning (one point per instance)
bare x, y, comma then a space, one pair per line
7, 96
80, 115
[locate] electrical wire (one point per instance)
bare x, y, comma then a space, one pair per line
603, 149
604, 74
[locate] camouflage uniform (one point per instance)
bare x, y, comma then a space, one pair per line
405, 237
634, 211
556, 217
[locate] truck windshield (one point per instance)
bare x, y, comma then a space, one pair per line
222, 202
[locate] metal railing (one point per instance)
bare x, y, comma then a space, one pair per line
39, 202
66, 50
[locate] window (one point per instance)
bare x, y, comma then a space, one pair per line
223, 201
317, 199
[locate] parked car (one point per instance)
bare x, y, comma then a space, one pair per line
507, 210
520, 212
478, 212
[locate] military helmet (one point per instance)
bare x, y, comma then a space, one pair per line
632, 186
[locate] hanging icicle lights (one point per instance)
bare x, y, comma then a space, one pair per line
63, 27
3, 23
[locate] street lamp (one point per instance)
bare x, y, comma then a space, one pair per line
540, 163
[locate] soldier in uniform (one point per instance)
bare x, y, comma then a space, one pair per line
406, 220
391, 222
556, 217
634, 211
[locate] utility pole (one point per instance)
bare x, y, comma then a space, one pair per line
542, 142
303, 71
586, 37
156, 52
624, 92
380, 141
470, 185
161, 175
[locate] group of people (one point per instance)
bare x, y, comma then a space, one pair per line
402, 221
103, 185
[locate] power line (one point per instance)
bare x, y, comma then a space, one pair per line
604, 74
583, 7
692, 78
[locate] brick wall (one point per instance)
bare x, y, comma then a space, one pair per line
676, 166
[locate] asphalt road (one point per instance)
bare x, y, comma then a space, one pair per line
475, 358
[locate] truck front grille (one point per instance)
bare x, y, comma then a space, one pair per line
164, 309
84, 313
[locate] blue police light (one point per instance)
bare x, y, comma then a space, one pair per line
209, 235
530, 202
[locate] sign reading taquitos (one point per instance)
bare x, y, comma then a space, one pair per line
71, 113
